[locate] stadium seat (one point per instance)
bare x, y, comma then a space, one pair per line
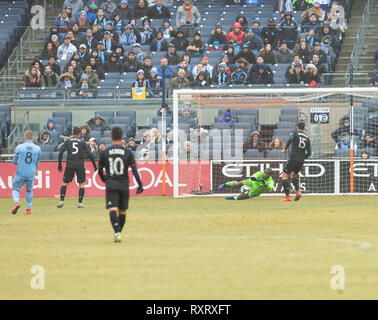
105, 113
105, 140
286, 125
275, 154
253, 154
96, 134
63, 114
107, 133
371, 151
48, 148
342, 153
221, 125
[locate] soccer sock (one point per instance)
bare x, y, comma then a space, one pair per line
29, 199
296, 183
122, 220
114, 221
63, 190
81, 195
16, 196
286, 186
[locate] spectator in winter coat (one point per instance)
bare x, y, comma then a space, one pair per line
196, 46
159, 11
311, 76
221, 75
172, 56
344, 142
268, 54
201, 81
167, 29
123, 10
344, 127
180, 42
109, 6
218, 35
243, 22
284, 54
128, 37
269, 34
304, 52
253, 42
168, 69
227, 118
261, 76
238, 76
32, 78
45, 139
179, 81
373, 82
66, 50
140, 9
188, 18
237, 33
131, 63
159, 43
113, 65
295, 75
321, 67
368, 141
49, 78
288, 30
254, 143
256, 28
97, 123
247, 54
63, 22
155, 81
141, 81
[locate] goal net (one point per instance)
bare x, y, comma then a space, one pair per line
221, 135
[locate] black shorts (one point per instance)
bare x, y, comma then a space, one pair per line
293, 166
69, 173
117, 198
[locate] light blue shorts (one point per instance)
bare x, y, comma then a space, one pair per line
18, 183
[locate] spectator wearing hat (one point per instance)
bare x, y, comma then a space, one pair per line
66, 50
196, 46
179, 81
89, 15
131, 63
109, 43
155, 81
316, 10
128, 37
141, 81
216, 47
159, 11
113, 64
138, 52
123, 10
247, 54
206, 65
54, 38
238, 76
344, 142
284, 55
97, 123
67, 81
269, 34
187, 18
83, 55
344, 127
253, 42
221, 75
321, 54
93, 79
201, 81
110, 26
254, 143
311, 38
180, 41
218, 34
167, 29
82, 21
159, 43
183, 65
312, 23
288, 30
63, 22
85, 132
92, 144
172, 56
227, 118
237, 33
261, 75
256, 28
243, 21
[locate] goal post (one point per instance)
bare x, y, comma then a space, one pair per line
208, 150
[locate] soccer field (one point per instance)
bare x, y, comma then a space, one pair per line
192, 248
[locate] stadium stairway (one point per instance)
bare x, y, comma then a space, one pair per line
366, 57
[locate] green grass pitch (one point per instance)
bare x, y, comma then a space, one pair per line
192, 248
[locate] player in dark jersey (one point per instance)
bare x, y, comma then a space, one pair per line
116, 160
300, 150
77, 152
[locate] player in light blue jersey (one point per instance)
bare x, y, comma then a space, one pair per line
27, 160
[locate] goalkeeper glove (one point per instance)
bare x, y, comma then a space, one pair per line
264, 183
140, 189
222, 186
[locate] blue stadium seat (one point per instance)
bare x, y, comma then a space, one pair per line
253, 154
342, 153
105, 113
275, 154
48, 148
46, 156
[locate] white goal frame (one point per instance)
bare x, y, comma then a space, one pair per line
261, 91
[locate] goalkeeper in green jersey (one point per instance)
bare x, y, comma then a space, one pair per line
257, 183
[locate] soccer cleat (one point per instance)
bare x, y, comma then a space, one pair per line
117, 237
28, 211
222, 186
297, 196
15, 208
287, 198
60, 204
80, 205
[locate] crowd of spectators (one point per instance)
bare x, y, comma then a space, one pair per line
98, 37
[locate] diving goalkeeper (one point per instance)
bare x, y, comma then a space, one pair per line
257, 183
